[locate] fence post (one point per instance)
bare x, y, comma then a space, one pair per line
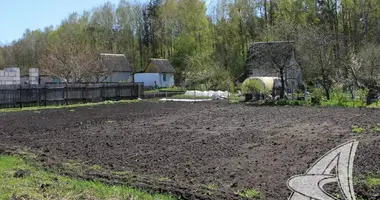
66, 90
45, 93
39, 95
138, 90
20, 96
101, 92
118, 92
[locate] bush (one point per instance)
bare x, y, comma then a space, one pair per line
252, 86
317, 96
363, 96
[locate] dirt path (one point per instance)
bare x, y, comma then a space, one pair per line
231, 147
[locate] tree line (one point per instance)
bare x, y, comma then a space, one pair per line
337, 41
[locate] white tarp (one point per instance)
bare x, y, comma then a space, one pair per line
212, 94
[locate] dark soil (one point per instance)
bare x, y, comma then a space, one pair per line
195, 145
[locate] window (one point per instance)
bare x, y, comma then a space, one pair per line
164, 77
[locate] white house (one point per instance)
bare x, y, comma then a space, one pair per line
158, 73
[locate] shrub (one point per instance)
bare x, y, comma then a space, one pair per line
252, 86
283, 102
317, 96
363, 96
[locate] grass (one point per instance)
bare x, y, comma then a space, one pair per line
373, 181
212, 187
357, 129
96, 168
377, 128
164, 179
249, 193
38, 108
40, 184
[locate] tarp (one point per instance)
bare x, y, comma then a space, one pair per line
212, 94
268, 82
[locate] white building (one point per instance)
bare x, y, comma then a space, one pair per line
158, 73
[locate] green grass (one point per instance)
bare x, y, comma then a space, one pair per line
249, 193
377, 128
357, 129
212, 187
40, 184
373, 182
37, 108
96, 168
164, 179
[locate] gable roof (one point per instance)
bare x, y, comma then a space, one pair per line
162, 65
116, 62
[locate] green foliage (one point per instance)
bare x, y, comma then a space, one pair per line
377, 128
40, 184
317, 96
249, 193
283, 102
373, 181
357, 129
252, 86
212, 187
362, 96
96, 168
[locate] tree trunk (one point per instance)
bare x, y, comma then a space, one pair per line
327, 92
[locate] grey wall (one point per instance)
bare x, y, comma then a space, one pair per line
10, 76
119, 77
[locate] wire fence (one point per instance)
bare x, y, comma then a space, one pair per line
12, 96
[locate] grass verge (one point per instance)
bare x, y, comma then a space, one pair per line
21, 180
37, 108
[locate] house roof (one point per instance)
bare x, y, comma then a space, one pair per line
162, 65
116, 62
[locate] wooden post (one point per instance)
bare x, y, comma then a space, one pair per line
101, 93
20, 96
45, 93
67, 94
118, 92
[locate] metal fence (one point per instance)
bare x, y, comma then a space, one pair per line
61, 94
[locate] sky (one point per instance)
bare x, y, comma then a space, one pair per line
18, 15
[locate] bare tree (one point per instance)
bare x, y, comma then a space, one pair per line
315, 49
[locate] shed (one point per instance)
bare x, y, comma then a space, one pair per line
262, 56
115, 68
158, 73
